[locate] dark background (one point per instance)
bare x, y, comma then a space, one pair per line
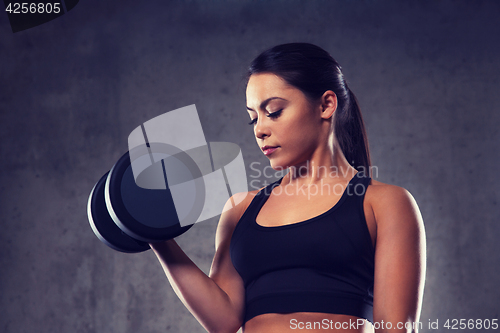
426, 74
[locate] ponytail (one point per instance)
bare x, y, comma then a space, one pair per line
351, 134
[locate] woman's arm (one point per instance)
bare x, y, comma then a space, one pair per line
217, 300
400, 259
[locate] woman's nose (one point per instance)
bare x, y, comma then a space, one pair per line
261, 128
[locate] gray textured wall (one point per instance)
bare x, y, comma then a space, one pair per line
425, 72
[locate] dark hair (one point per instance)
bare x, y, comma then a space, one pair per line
313, 70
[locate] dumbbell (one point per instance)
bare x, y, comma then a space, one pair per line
170, 178
127, 217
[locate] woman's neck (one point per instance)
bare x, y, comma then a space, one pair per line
321, 167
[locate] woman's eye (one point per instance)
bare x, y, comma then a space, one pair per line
272, 115
275, 114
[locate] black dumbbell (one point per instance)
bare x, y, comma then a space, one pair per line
127, 217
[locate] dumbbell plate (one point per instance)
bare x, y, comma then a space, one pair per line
144, 214
103, 225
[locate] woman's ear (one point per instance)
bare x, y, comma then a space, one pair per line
328, 104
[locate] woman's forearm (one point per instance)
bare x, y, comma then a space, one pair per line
211, 305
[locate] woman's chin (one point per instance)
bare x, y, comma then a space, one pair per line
277, 166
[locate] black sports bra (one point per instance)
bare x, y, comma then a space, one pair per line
323, 264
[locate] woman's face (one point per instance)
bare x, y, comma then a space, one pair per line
286, 124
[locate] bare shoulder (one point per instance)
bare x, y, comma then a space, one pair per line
391, 203
381, 191
232, 212
238, 203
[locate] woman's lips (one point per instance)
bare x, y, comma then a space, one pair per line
268, 150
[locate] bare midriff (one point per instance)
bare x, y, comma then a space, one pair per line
310, 322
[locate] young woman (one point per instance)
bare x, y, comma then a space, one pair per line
325, 248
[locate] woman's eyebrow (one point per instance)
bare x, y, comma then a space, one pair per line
265, 102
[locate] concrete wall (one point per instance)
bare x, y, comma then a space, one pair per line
71, 90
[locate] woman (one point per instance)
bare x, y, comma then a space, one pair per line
325, 248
